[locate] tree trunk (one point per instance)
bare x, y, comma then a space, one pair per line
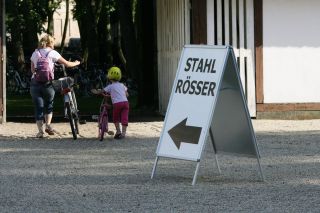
50, 13
128, 37
17, 45
30, 36
118, 49
65, 28
104, 33
148, 89
87, 17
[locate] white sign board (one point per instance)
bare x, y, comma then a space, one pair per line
192, 101
207, 99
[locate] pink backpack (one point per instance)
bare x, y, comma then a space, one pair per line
43, 71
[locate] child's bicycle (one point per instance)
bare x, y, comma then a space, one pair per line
103, 116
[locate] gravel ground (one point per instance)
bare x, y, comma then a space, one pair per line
58, 174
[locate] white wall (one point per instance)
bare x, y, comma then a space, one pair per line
58, 21
291, 51
172, 34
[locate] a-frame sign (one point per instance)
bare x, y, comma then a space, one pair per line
207, 100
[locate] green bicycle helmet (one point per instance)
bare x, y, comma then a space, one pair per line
114, 73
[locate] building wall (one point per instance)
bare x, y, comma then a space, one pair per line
232, 23
173, 32
291, 51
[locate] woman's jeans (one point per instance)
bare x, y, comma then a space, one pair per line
42, 97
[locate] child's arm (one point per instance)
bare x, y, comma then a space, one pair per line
97, 91
126, 90
105, 94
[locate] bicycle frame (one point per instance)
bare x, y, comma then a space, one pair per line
65, 86
71, 110
103, 118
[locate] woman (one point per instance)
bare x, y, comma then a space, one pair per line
42, 92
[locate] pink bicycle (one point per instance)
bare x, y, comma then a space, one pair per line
103, 117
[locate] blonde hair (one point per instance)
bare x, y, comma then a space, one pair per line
46, 41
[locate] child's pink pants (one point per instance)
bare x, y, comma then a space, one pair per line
121, 113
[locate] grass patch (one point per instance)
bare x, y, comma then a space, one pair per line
21, 105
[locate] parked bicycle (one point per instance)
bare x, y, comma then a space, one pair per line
65, 86
17, 83
90, 77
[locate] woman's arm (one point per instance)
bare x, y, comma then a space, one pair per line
32, 68
61, 60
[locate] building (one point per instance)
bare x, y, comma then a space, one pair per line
276, 43
58, 24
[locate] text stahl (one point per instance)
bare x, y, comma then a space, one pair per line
194, 87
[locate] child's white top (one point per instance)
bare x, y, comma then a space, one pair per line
117, 91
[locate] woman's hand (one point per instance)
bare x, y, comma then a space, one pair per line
76, 62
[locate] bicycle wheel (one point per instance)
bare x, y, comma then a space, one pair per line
102, 125
11, 85
75, 111
72, 121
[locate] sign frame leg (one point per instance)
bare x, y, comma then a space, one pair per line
196, 174
260, 169
154, 166
214, 150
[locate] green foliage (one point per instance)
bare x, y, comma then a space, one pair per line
20, 11
113, 32
21, 105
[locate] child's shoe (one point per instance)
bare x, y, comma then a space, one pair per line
119, 136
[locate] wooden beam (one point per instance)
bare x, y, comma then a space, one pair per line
288, 107
198, 22
258, 35
2, 90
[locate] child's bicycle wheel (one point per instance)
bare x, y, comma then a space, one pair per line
103, 123
103, 127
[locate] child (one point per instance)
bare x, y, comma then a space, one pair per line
119, 94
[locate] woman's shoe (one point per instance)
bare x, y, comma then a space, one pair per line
49, 130
39, 135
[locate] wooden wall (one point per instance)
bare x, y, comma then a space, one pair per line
231, 22
173, 32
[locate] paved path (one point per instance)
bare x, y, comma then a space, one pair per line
58, 174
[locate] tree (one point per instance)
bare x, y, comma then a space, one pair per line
65, 26
25, 20
113, 32
87, 13
51, 7
146, 28
128, 37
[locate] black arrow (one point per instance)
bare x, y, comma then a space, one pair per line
183, 133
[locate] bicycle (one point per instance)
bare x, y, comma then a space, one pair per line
16, 82
65, 86
103, 119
